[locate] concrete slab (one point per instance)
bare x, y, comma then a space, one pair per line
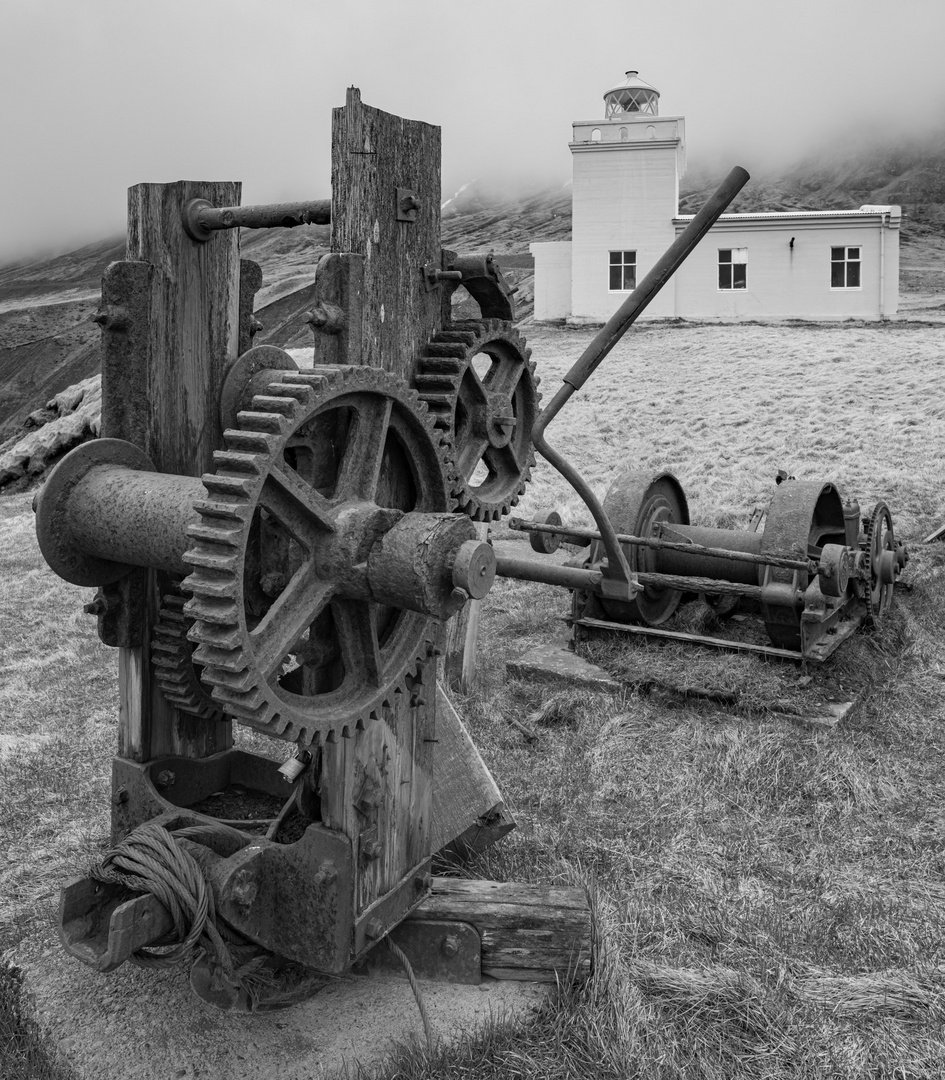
554, 662
137, 1023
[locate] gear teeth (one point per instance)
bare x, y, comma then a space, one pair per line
215, 534
172, 661
221, 484
212, 658
200, 583
283, 405
206, 557
223, 511
267, 423
250, 442
215, 612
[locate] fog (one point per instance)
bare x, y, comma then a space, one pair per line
103, 94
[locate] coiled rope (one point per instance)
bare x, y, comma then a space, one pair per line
151, 860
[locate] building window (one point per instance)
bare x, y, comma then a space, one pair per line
623, 271
733, 268
595, 135
624, 134
844, 268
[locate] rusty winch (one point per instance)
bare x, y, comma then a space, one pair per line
814, 572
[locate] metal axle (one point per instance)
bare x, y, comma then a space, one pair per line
201, 219
573, 577
804, 566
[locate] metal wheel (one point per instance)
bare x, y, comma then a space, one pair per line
480, 386
882, 561
802, 517
637, 503
289, 634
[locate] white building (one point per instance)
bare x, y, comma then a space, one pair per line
831, 264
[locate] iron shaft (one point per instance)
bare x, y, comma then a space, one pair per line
749, 554
201, 219
573, 577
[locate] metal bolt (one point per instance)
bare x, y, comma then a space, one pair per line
317, 317
450, 945
371, 849
96, 606
374, 929
165, 778
120, 796
409, 202
423, 882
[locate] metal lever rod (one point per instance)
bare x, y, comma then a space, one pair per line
618, 581
201, 219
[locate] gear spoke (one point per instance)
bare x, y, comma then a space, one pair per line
293, 611
469, 457
296, 504
364, 452
507, 378
356, 623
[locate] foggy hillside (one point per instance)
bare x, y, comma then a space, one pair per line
47, 341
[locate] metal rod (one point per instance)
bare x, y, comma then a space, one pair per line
570, 577
604, 340
808, 566
573, 577
201, 219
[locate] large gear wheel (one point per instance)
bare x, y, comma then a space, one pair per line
480, 385
882, 562
289, 635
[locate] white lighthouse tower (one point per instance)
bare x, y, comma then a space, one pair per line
626, 170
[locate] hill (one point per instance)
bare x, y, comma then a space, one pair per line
48, 342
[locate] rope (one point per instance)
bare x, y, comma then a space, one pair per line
415, 987
151, 860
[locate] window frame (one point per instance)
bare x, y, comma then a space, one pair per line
846, 262
623, 264
731, 263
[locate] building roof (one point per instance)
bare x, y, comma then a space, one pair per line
800, 215
631, 96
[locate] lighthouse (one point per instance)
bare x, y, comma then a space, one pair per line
626, 167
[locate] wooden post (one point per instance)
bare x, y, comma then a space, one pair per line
192, 330
390, 763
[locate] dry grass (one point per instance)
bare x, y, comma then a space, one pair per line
770, 898
725, 407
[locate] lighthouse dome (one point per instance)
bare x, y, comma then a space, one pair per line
631, 97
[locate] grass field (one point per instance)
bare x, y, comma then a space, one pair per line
770, 897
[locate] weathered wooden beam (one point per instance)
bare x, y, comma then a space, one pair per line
170, 397
537, 933
469, 814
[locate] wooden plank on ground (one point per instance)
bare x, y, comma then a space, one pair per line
540, 933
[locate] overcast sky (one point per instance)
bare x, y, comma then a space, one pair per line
98, 95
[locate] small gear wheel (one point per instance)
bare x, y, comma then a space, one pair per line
882, 563
173, 662
480, 385
288, 632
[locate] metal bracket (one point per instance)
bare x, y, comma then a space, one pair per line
407, 205
442, 950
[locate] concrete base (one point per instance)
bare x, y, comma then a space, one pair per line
554, 662
148, 1024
